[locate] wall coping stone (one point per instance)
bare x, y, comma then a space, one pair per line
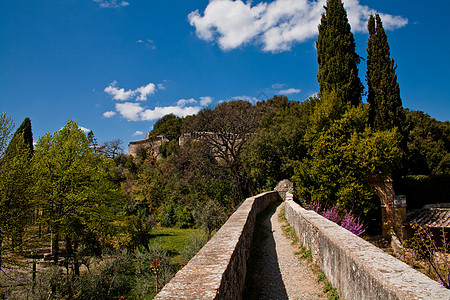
356, 268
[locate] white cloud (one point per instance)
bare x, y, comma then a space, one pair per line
130, 111
184, 102
277, 25
121, 95
84, 129
118, 94
161, 86
252, 100
138, 132
145, 91
278, 85
290, 91
111, 3
147, 43
205, 101
136, 112
159, 112
109, 114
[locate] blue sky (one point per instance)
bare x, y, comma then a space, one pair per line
117, 66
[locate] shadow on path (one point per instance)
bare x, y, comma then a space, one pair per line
263, 280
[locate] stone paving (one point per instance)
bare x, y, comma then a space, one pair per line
275, 272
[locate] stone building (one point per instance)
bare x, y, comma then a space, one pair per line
150, 144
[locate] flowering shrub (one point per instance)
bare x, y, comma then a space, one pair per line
315, 206
349, 221
155, 266
332, 214
352, 224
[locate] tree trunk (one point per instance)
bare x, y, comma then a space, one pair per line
1, 252
76, 263
55, 246
69, 253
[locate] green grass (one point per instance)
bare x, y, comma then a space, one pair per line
173, 239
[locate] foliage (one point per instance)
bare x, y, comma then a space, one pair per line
347, 221
133, 228
343, 154
15, 196
226, 129
332, 214
192, 247
209, 216
271, 153
111, 149
15, 193
6, 127
24, 133
428, 144
168, 126
385, 110
73, 188
338, 61
352, 224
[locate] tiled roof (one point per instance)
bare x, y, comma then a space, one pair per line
431, 217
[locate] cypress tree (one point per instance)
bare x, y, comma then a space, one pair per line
336, 55
24, 131
15, 195
385, 111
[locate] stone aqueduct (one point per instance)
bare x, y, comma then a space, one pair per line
356, 268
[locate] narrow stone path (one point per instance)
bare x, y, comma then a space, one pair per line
274, 271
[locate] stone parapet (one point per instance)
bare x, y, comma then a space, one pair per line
356, 268
218, 270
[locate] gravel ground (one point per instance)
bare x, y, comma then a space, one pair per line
275, 272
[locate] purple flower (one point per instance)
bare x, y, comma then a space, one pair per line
443, 283
352, 224
332, 214
315, 206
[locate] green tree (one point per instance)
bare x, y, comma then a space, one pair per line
25, 133
272, 152
385, 110
74, 189
15, 195
6, 127
428, 144
343, 157
226, 129
111, 149
168, 126
16, 180
338, 61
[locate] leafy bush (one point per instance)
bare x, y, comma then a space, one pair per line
196, 243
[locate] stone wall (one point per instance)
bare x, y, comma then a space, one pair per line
218, 270
151, 146
356, 268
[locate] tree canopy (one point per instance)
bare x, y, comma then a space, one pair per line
336, 56
385, 110
72, 188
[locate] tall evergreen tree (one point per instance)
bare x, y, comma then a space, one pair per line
386, 111
336, 55
15, 183
25, 133
6, 127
